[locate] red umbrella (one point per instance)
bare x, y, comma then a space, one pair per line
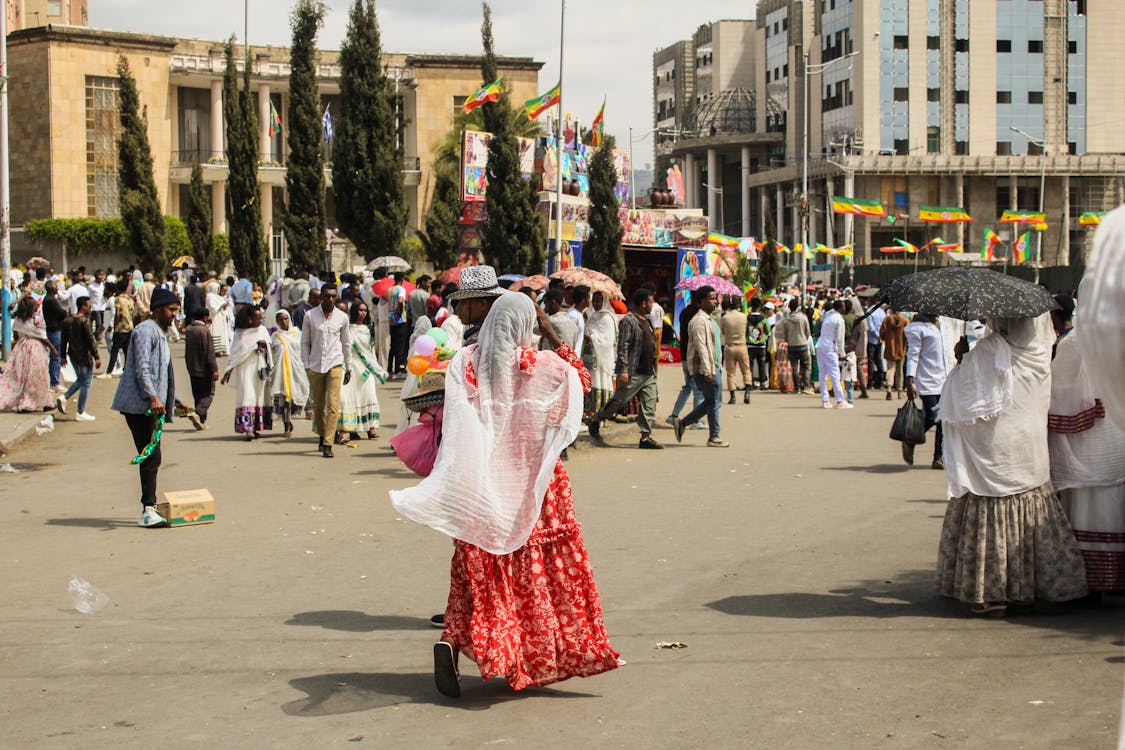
380, 287
452, 276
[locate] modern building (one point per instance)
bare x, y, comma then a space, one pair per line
906, 106
64, 117
24, 14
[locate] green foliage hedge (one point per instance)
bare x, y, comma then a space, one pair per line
93, 235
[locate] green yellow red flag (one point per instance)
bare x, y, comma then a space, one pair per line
844, 205
1023, 217
943, 214
540, 104
489, 93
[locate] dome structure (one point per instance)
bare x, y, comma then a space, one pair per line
731, 111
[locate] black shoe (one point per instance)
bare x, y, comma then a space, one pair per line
595, 428
438, 620
320, 444
746, 395
731, 398
326, 451
679, 427
650, 444
446, 678
908, 453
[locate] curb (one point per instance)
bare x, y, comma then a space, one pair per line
22, 432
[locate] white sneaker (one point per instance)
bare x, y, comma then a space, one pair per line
103, 376
826, 404
84, 417
844, 405
60, 404
151, 519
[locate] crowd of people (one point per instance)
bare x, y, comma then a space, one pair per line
506, 378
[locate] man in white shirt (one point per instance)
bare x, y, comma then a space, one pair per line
926, 368
326, 350
829, 350
74, 291
581, 300
96, 289
874, 322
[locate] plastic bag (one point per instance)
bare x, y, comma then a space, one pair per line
417, 446
910, 425
87, 597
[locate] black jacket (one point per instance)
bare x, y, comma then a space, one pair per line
53, 314
78, 342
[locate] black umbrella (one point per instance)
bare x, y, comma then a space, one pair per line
968, 294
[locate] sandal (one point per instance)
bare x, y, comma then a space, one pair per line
341, 438
990, 609
372, 435
446, 677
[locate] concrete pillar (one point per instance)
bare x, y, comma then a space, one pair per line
745, 187
829, 216
267, 215
849, 219
1062, 257
218, 209
217, 135
689, 180
264, 126
779, 211
795, 220
959, 201
714, 183
763, 209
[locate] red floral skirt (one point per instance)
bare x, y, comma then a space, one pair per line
533, 616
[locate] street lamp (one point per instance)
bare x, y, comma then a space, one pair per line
1042, 184
808, 71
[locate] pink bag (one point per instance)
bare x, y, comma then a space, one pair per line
417, 446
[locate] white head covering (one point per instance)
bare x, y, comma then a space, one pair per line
501, 438
601, 330
994, 411
1099, 305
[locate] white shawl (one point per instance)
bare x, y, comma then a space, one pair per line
994, 420
501, 439
601, 332
245, 346
1100, 304
288, 378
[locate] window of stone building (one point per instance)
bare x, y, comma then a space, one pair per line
1003, 148
902, 41
103, 125
1003, 45
1035, 45
1003, 97
1072, 47
902, 146
961, 96
933, 140
933, 42
933, 95
902, 94
1034, 97
961, 148
961, 45
54, 7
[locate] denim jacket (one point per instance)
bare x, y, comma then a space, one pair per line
148, 372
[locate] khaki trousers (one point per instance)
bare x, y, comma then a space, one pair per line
325, 389
735, 359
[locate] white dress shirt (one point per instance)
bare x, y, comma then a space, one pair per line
325, 341
925, 358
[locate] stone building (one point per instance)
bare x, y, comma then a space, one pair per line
64, 122
908, 107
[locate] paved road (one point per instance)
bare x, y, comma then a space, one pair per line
796, 566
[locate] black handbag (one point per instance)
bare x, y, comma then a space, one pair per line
910, 425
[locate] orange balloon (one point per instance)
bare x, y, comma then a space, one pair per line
418, 365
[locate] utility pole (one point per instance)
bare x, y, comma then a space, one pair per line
5, 207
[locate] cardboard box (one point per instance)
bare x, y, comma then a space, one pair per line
187, 508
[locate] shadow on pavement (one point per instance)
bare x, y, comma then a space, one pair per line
357, 622
875, 469
343, 693
105, 524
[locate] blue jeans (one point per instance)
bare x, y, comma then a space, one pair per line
688, 389
83, 376
55, 367
712, 402
930, 405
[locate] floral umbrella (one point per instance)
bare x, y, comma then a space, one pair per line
390, 262
722, 286
452, 276
596, 280
537, 282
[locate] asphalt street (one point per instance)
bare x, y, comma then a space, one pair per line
796, 567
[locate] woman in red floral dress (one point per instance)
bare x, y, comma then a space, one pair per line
522, 599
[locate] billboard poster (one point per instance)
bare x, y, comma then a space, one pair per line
474, 163
623, 167
654, 228
689, 262
569, 255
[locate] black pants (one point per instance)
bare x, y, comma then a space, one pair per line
141, 426
202, 391
400, 344
930, 414
120, 344
760, 366
800, 360
876, 375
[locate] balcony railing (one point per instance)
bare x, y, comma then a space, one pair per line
204, 157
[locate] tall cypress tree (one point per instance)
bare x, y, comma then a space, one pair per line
199, 221
244, 197
138, 201
304, 176
769, 268
366, 157
513, 236
443, 220
602, 252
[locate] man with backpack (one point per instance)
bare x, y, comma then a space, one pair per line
757, 338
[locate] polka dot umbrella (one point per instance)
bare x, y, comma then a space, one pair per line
968, 294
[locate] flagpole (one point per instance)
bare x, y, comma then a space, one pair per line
5, 236
559, 144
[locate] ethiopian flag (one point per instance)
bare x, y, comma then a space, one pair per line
906, 246
842, 205
1091, 218
489, 93
722, 240
991, 240
540, 104
1023, 217
597, 127
1020, 249
943, 214
275, 121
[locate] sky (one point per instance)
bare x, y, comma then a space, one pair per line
608, 51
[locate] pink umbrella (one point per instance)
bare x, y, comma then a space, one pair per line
719, 284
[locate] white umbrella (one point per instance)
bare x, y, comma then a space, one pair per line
390, 262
